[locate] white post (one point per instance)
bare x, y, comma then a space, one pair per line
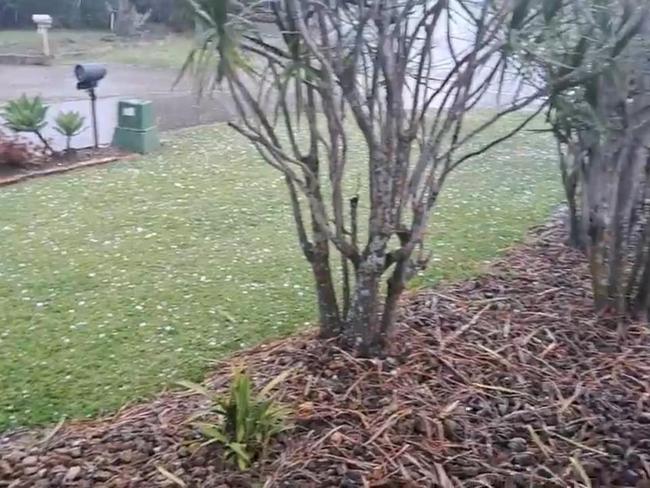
46, 42
43, 24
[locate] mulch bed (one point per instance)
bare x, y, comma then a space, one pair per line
61, 162
508, 380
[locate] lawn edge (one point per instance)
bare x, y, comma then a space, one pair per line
12, 180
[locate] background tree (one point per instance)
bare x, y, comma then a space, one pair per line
95, 13
9, 12
129, 19
170, 12
394, 71
18, 13
67, 13
603, 132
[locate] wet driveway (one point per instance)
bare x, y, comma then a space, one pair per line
175, 105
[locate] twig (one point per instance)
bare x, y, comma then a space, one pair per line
576, 443
448, 340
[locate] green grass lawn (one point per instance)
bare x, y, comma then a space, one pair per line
119, 280
71, 45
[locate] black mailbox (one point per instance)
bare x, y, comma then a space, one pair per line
89, 75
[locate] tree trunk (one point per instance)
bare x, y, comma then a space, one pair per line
125, 25
328, 310
595, 192
576, 235
612, 186
396, 286
643, 296
362, 328
576, 239
362, 332
640, 275
570, 184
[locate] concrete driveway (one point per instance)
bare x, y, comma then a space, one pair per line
57, 83
175, 106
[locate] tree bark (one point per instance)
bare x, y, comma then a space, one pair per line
643, 296
569, 171
576, 239
328, 310
318, 256
597, 216
396, 286
570, 183
640, 275
362, 330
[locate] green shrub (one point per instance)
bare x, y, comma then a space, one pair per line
69, 124
245, 421
27, 115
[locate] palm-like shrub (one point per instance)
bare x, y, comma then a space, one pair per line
69, 124
27, 115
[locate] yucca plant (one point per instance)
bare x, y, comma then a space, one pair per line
242, 421
69, 124
27, 115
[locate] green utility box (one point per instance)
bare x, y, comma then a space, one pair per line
136, 126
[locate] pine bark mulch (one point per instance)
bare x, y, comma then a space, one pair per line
507, 380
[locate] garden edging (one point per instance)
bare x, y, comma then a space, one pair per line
10, 180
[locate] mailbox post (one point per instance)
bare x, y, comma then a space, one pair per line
43, 24
88, 76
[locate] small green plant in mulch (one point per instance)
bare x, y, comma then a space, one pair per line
243, 421
26, 114
69, 124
